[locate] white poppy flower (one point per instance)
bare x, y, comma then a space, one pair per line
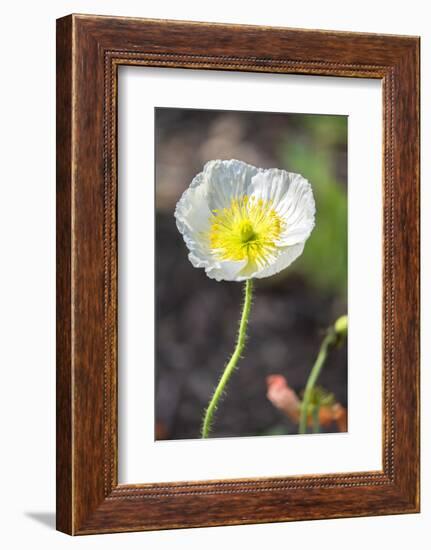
241, 222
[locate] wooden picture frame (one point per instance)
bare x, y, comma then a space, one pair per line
89, 51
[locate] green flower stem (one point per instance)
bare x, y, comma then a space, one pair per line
329, 339
230, 367
316, 423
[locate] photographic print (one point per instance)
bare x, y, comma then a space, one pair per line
251, 273
203, 376
212, 368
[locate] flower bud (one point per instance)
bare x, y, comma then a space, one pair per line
340, 326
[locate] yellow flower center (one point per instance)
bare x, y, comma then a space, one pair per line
246, 231
248, 228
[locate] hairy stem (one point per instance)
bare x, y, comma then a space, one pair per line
230, 367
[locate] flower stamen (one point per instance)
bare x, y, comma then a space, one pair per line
248, 229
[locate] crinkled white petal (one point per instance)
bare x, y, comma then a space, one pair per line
214, 188
193, 219
286, 257
226, 271
220, 271
280, 260
292, 199
227, 180
271, 185
192, 213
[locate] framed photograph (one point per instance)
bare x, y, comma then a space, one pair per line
237, 274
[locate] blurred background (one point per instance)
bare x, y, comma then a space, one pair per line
197, 318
